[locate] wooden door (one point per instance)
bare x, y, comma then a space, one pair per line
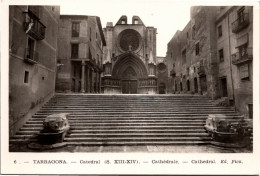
129, 86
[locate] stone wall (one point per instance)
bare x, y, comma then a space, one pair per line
206, 72
90, 55
31, 84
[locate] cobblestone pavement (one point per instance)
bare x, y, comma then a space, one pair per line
137, 149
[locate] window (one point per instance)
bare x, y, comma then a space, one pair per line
220, 31
184, 56
26, 77
96, 35
74, 50
242, 50
30, 49
75, 29
135, 21
221, 55
123, 22
197, 49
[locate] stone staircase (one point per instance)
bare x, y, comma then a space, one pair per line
129, 119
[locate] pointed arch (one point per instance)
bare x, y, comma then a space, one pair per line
127, 61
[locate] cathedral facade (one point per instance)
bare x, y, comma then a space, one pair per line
129, 58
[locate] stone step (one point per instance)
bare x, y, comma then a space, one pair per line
184, 126
134, 106
119, 121
128, 135
37, 129
128, 143
109, 116
127, 123
142, 138
123, 124
123, 143
136, 127
134, 112
129, 119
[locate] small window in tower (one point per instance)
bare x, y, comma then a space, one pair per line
123, 22
135, 21
26, 77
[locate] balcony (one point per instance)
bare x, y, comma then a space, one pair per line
241, 23
242, 56
201, 70
33, 26
31, 56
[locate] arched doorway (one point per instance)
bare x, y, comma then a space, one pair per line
188, 85
129, 81
195, 85
176, 86
162, 88
129, 70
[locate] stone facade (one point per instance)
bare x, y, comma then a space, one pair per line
80, 42
162, 74
234, 26
212, 55
129, 57
33, 34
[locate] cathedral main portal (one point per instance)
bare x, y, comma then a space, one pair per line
129, 81
129, 76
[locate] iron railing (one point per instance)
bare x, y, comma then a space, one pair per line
240, 23
242, 56
34, 27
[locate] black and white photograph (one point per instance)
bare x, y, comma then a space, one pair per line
160, 77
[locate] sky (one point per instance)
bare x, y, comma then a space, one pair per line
165, 15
